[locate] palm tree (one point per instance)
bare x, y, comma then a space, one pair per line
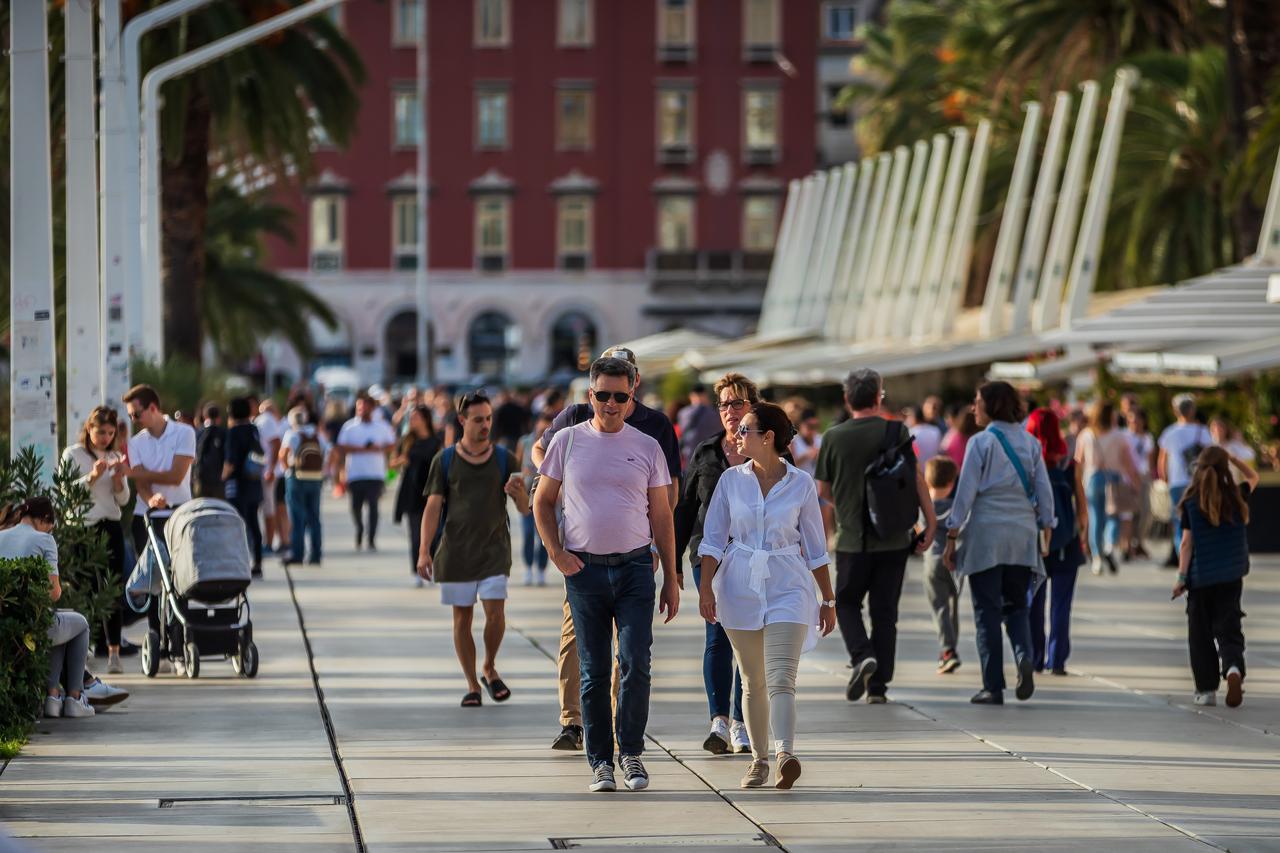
257, 105
243, 302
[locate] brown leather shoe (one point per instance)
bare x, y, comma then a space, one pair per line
757, 775
788, 771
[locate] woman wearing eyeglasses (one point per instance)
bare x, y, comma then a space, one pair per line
764, 565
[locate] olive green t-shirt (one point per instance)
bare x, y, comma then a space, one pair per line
847, 450
477, 541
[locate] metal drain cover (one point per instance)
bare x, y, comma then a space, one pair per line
642, 841
276, 800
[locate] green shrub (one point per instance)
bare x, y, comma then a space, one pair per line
26, 613
87, 586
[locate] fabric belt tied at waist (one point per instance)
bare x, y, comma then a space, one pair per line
759, 565
610, 559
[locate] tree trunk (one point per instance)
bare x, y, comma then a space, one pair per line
185, 184
1253, 60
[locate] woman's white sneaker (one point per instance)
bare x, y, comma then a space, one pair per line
717, 742
77, 707
53, 706
1207, 698
739, 738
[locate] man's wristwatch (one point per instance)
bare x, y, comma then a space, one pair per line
831, 603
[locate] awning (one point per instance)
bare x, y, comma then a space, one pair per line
1204, 364
658, 353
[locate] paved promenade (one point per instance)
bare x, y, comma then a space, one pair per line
352, 734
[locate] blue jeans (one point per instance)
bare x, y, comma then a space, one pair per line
1175, 498
1000, 594
719, 675
303, 499
533, 547
600, 595
1062, 577
1104, 530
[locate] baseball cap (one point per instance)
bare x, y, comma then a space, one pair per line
620, 352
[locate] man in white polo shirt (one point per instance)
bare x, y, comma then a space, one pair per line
363, 443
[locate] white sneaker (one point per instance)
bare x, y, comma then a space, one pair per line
114, 667
165, 665
77, 707
717, 742
738, 737
528, 577
179, 667
53, 706
1208, 698
98, 692
1097, 565
542, 577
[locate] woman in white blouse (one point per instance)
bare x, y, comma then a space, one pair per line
763, 550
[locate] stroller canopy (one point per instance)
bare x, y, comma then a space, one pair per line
207, 548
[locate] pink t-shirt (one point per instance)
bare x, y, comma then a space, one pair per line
605, 486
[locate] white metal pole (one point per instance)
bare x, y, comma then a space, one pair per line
890, 291
931, 283
125, 158
1063, 234
33, 394
821, 304
1269, 237
958, 257
83, 297
857, 303
112, 212
1038, 220
808, 243
1011, 220
1084, 264
909, 291
781, 255
884, 242
157, 77
828, 186
421, 281
842, 287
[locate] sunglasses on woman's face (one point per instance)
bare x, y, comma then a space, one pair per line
618, 397
743, 430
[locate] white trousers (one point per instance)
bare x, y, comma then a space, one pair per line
768, 659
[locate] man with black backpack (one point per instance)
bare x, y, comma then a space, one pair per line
872, 494
467, 491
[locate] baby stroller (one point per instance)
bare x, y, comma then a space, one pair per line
203, 561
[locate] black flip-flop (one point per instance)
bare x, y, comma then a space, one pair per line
471, 700
498, 691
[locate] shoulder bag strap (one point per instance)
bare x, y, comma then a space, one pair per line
1016, 463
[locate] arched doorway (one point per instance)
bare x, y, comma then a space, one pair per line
400, 348
489, 344
573, 342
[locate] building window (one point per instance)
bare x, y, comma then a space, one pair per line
575, 23
760, 125
408, 23
573, 232
489, 343
404, 225
491, 118
493, 23
838, 110
839, 21
492, 225
408, 116
326, 232
760, 28
675, 30
675, 223
573, 119
759, 222
675, 125
573, 342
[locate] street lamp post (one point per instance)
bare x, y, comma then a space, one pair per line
421, 282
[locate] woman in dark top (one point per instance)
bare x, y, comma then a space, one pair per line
1213, 559
413, 460
242, 473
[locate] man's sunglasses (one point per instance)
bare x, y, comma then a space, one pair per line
736, 405
618, 397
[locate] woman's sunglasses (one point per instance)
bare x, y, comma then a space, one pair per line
743, 430
618, 397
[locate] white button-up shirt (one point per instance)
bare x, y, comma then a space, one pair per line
768, 547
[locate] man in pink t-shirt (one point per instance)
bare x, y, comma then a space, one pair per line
614, 481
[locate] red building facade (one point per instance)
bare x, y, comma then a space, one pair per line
599, 170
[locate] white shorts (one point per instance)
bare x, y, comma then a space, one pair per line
269, 500
465, 593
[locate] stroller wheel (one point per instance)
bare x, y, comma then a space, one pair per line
191, 657
248, 660
150, 654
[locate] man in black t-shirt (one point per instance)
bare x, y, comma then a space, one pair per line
652, 423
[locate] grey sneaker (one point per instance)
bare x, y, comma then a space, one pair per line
114, 667
633, 772
862, 670
602, 779
756, 776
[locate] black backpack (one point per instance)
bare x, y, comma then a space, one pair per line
1062, 479
893, 504
211, 453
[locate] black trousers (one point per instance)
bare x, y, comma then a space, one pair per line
875, 576
248, 510
413, 518
365, 493
114, 620
1215, 637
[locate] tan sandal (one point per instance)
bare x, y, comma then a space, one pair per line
788, 771
757, 775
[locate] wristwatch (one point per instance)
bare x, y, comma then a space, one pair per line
831, 603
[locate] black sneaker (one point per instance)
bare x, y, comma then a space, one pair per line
602, 779
569, 739
1026, 680
634, 776
862, 670
986, 697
